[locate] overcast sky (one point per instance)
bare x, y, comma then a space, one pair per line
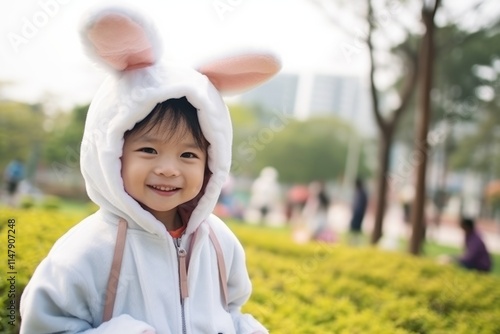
41, 52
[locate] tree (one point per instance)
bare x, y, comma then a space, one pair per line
387, 125
426, 58
247, 121
469, 102
403, 60
388, 117
21, 128
480, 150
460, 116
63, 144
62, 151
316, 148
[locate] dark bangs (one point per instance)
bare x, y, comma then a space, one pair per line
173, 117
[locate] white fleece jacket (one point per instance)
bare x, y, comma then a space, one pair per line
66, 293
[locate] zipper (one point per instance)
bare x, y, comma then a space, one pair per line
183, 287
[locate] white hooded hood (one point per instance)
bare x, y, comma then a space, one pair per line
139, 81
123, 101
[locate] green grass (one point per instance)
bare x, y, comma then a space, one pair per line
74, 206
431, 249
434, 250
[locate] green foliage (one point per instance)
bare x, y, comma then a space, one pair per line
316, 149
312, 288
91, 207
27, 202
455, 103
243, 117
459, 52
51, 202
480, 150
301, 151
20, 129
318, 288
63, 145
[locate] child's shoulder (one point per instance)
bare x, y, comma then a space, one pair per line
86, 241
218, 225
222, 231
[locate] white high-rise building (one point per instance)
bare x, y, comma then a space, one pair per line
310, 94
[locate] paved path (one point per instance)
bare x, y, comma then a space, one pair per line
448, 233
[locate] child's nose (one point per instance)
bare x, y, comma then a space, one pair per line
167, 167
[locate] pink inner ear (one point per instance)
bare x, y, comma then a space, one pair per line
241, 72
121, 42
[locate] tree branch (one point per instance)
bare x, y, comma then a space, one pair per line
434, 10
408, 86
373, 90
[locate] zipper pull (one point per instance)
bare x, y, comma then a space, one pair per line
181, 256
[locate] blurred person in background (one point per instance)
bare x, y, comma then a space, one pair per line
407, 196
265, 195
228, 205
13, 175
316, 212
296, 198
476, 255
359, 204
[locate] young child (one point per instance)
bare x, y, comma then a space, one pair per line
155, 154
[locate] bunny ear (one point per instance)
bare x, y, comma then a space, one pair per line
121, 39
238, 73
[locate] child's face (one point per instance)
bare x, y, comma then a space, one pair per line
160, 174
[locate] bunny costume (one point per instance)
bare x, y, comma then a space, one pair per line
67, 293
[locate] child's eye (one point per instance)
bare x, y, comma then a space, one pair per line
148, 150
189, 155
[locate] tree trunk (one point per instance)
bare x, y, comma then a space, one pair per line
386, 125
422, 146
382, 184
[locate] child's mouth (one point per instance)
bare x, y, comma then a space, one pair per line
163, 189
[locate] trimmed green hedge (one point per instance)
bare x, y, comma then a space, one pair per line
313, 288
319, 288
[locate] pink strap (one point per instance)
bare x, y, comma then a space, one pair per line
221, 264
115, 271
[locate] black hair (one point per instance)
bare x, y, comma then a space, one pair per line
467, 223
169, 116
